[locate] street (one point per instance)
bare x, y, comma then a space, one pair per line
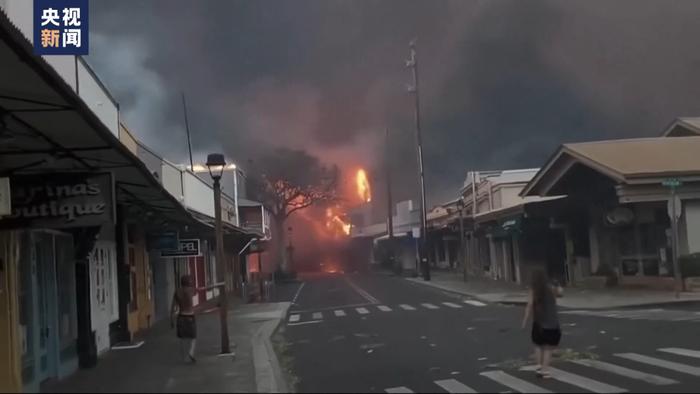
379, 333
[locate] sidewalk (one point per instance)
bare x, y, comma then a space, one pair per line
492, 291
158, 367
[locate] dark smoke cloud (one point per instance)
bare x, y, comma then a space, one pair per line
502, 82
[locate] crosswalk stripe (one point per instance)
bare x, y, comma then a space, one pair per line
687, 369
294, 318
362, 311
401, 389
681, 352
474, 303
317, 316
579, 381
430, 306
454, 386
384, 308
451, 305
339, 312
407, 307
626, 372
514, 383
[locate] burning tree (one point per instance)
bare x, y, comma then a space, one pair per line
287, 181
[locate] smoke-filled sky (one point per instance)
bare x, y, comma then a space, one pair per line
502, 82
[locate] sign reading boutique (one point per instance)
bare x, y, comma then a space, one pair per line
60, 201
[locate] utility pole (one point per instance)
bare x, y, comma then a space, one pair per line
389, 202
412, 63
187, 129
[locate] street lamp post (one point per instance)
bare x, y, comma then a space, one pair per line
412, 63
216, 164
462, 252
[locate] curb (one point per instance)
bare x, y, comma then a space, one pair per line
268, 374
462, 293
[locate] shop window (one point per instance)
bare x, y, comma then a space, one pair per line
67, 308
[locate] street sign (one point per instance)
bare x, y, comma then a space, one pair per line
5, 197
187, 248
675, 207
672, 182
416, 232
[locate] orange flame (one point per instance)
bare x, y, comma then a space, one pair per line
335, 223
363, 188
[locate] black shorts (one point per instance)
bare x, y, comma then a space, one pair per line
545, 337
186, 326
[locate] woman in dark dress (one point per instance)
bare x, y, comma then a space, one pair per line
186, 324
546, 333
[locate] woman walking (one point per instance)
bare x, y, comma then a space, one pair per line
186, 324
542, 306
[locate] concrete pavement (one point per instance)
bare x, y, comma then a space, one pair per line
384, 334
578, 298
157, 366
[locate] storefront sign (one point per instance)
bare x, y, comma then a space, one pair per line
60, 200
5, 197
186, 248
167, 240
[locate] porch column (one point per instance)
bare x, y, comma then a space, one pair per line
448, 258
492, 257
516, 257
505, 260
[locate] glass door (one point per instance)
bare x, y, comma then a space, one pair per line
46, 308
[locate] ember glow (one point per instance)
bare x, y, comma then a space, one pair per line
363, 188
336, 224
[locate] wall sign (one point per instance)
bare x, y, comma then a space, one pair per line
5, 197
60, 200
166, 240
187, 248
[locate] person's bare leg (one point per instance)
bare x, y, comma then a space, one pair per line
546, 359
193, 344
538, 357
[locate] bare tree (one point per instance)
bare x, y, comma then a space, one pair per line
287, 181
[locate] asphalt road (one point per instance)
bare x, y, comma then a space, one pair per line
378, 333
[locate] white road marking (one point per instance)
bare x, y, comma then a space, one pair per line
362, 311
294, 318
339, 312
687, 369
452, 305
401, 389
681, 352
454, 386
626, 372
474, 303
384, 308
514, 383
430, 306
407, 307
579, 381
294, 300
362, 292
305, 322
317, 316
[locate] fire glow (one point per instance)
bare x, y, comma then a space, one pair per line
335, 223
363, 188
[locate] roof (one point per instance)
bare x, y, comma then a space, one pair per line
242, 202
640, 160
683, 127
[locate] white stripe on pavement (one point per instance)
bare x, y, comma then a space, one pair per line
579, 381
294, 318
407, 307
317, 316
514, 383
681, 352
305, 323
626, 372
454, 386
430, 306
401, 389
339, 312
362, 311
451, 304
688, 369
474, 303
384, 308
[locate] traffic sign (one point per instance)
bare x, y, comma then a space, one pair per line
675, 207
672, 182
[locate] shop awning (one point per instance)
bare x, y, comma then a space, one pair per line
45, 127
